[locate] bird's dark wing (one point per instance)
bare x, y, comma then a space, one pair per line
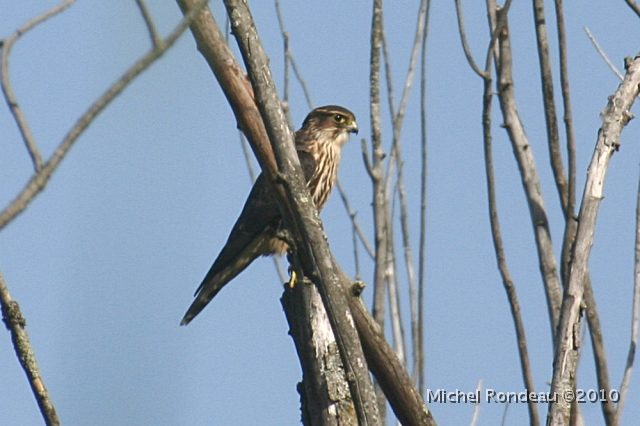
251, 236
307, 161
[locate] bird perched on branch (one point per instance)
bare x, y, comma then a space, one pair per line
319, 144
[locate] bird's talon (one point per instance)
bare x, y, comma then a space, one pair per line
292, 281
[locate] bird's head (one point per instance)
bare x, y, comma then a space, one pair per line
331, 121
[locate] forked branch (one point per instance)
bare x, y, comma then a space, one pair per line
614, 117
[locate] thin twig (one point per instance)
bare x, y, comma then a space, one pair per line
11, 312
15, 323
303, 83
354, 222
566, 102
569, 213
155, 38
550, 114
599, 353
39, 180
289, 60
635, 314
418, 344
504, 414
602, 54
465, 44
395, 312
12, 102
476, 408
356, 254
285, 41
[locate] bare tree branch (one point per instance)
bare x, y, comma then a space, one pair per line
614, 117
492, 13
395, 312
396, 158
497, 21
465, 44
156, 40
415, 297
290, 60
39, 180
635, 314
16, 324
10, 98
374, 167
550, 115
602, 54
324, 393
354, 221
569, 212
418, 344
599, 353
633, 5
529, 176
390, 374
11, 312
498, 245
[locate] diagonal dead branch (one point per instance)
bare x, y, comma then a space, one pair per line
634, 6
16, 324
614, 117
602, 54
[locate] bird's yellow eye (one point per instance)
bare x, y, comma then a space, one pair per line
339, 118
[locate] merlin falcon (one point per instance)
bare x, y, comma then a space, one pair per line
318, 144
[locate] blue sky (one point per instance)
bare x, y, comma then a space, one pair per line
105, 261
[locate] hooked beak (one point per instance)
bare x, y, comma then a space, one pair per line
352, 127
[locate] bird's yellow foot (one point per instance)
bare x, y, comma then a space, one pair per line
293, 279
